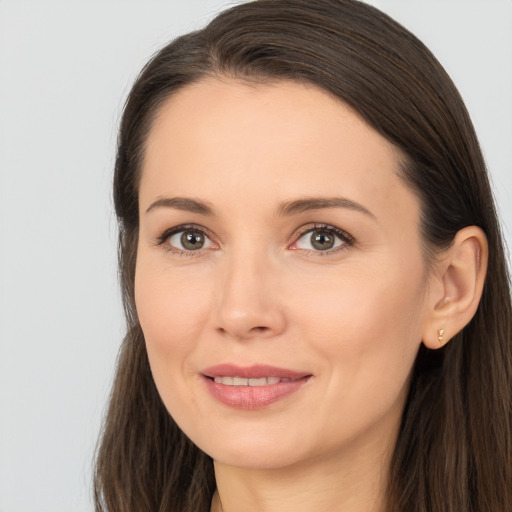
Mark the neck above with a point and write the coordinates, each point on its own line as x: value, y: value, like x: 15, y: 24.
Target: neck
x: 342, y: 482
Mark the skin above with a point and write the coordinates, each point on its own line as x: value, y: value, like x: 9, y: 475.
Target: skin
x: 258, y: 292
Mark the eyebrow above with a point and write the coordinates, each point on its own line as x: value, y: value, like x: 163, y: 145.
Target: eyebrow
x: 318, y: 203
x: 182, y: 203
x: 288, y: 208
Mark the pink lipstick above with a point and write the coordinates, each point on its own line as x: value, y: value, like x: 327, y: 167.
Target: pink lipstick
x: 252, y: 387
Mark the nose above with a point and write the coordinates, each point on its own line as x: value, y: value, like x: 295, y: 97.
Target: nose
x: 249, y: 298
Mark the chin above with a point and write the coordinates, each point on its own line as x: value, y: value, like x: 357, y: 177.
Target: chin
x: 256, y: 450
x: 270, y: 458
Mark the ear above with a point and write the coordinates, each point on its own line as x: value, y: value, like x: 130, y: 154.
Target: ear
x: 459, y: 275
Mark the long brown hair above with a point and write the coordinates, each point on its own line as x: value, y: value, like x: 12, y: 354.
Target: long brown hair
x: 454, y: 448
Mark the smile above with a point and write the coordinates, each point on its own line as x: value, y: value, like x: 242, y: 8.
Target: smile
x: 242, y: 381
x: 253, y: 387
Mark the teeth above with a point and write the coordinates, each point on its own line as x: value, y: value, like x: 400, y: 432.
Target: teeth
x: 228, y: 381
x: 241, y: 381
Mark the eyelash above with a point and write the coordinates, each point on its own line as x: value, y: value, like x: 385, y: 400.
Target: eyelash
x: 346, y: 239
x: 164, y: 237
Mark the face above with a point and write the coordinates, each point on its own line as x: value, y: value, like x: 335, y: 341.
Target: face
x: 280, y: 282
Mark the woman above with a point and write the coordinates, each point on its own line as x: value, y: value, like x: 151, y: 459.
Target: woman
x: 314, y: 280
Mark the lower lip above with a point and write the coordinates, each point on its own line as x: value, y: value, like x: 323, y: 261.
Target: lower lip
x: 253, y: 397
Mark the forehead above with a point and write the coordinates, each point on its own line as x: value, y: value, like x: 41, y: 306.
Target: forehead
x: 219, y: 139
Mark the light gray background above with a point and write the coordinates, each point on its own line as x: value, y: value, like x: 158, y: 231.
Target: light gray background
x: 65, y: 68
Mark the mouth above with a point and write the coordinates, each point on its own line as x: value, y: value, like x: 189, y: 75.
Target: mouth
x: 242, y: 381
x: 252, y: 387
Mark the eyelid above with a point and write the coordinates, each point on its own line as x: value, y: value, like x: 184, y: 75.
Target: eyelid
x: 161, y: 239
x: 347, y: 239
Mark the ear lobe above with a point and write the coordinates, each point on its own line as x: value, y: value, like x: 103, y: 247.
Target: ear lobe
x: 461, y: 270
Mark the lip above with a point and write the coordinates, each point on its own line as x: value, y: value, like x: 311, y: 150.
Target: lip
x: 252, y: 372
x: 249, y: 397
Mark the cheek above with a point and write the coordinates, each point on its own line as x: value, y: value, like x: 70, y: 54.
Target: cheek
x: 368, y: 329
x: 172, y: 312
x: 365, y: 308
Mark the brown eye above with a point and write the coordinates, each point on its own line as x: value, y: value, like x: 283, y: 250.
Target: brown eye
x: 189, y: 240
x: 322, y: 240
x: 192, y: 240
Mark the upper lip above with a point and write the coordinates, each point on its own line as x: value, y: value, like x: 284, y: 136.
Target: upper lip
x: 257, y: 371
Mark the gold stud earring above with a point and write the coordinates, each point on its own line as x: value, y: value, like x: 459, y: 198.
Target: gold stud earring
x: 440, y: 335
